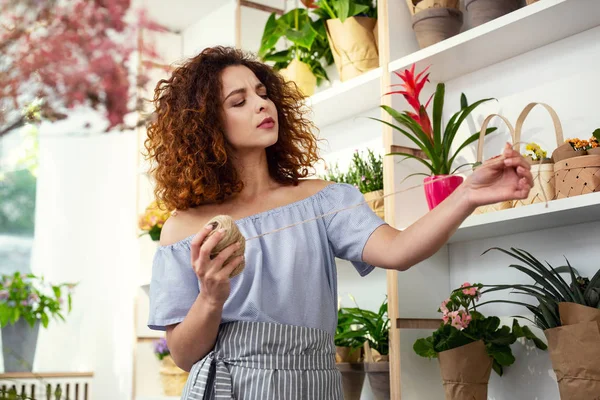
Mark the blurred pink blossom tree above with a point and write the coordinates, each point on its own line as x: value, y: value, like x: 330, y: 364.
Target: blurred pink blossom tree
x: 58, y: 54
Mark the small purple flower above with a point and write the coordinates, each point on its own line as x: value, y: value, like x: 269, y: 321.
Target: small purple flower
x: 33, y: 298
x: 160, y: 347
x: 362, y: 178
x: 4, y: 295
x: 24, y: 303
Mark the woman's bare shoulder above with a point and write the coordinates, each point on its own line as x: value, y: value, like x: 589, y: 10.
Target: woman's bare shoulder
x: 183, y: 224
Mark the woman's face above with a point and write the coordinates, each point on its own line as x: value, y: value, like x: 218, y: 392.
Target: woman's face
x: 250, y: 117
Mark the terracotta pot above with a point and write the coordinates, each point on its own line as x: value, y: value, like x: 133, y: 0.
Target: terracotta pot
x: 353, y: 378
x: 424, y: 4
x: 441, y: 186
x: 379, y: 379
x: 482, y: 11
x: 594, y: 151
x: 433, y: 25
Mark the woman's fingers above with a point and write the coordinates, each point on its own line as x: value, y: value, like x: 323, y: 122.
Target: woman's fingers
x: 231, y: 266
x: 226, y: 253
x: 197, y: 241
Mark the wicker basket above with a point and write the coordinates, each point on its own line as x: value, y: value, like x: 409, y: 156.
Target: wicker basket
x: 543, y: 173
x: 577, y: 175
x: 172, y: 377
x: 504, y: 204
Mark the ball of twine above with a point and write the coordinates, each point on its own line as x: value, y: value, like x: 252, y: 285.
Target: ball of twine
x: 232, y: 235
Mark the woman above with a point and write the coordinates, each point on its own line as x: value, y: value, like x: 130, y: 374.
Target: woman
x: 230, y: 138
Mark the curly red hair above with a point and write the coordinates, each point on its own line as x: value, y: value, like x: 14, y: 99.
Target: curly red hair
x: 191, y: 164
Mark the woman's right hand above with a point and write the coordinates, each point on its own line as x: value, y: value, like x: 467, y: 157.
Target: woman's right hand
x: 213, y: 273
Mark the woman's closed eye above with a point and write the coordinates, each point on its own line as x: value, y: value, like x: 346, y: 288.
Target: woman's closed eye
x: 239, y: 104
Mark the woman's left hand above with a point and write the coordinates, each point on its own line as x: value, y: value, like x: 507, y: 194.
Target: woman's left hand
x: 507, y: 177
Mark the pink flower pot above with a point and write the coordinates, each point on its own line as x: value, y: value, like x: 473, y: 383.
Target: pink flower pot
x: 441, y: 187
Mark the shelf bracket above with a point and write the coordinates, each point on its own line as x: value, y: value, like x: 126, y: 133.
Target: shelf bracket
x: 261, y: 7
x: 402, y: 149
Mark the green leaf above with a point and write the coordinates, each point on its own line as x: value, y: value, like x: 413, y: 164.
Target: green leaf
x: 45, y: 320
x: 462, y: 115
x: 416, y: 141
x: 463, y: 101
x: 424, y: 348
x: 470, y: 140
x: 501, y: 353
x: 304, y: 37
x: 411, y: 156
x: 280, y: 56
x: 438, y: 107
x: 270, y: 36
x: 497, y: 368
x: 343, y: 9
x: 596, y: 134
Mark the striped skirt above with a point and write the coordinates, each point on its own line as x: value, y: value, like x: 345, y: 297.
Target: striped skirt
x: 267, y: 361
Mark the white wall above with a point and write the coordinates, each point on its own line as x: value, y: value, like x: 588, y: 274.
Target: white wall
x: 563, y: 75
x: 216, y: 28
x: 86, y: 232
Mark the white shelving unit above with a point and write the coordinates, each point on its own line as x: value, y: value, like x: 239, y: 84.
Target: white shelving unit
x: 535, y: 217
x: 346, y: 99
x: 521, y: 31
x: 518, y: 32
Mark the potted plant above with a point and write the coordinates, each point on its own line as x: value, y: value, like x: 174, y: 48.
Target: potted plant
x: 376, y: 345
x: 304, y: 61
x: 366, y: 174
x: 542, y: 170
x: 435, y: 20
x: 482, y: 11
x: 349, y: 338
x: 569, y: 315
x: 594, y: 142
x: 173, y: 378
x: 26, y: 301
x: 469, y: 345
x: 429, y: 135
x: 352, y: 34
x: 152, y: 221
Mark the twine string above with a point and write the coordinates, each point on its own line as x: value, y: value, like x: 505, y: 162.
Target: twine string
x: 435, y: 179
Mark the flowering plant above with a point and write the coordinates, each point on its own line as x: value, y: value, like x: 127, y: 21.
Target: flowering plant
x: 152, y: 221
x: 366, y: 174
x: 161, y: 350
x: 31, y: 298
x: 534, y: 151
x: 462, y: 324
x: 427, y: 133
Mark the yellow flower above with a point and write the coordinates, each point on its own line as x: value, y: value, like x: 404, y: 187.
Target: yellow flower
x: 153, y: 216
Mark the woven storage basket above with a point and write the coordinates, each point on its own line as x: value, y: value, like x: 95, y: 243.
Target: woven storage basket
x: 172, y: 377
x: 577, y: 175
x: 543, y: 173
x: 504, y: 204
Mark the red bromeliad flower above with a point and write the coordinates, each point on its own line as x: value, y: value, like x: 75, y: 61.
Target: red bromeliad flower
x: 309, y: 3
x: 412, y: 87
